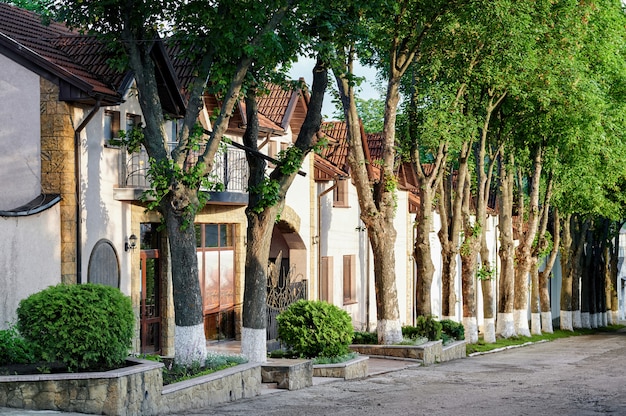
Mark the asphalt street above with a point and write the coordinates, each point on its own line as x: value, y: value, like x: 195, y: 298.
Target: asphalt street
x: 583, y: 375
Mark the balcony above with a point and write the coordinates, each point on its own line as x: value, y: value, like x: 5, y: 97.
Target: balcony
x: 229, y: 175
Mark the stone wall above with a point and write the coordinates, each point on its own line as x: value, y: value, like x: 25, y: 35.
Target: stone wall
x: 240, y: 382
x: 133, y: 390
x: 58, y: 170
x: 350, y: 370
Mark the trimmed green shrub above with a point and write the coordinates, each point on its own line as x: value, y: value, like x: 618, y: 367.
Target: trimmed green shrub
x: 14, y: 349
x: 315, y: 329
x: 85, y: 326
x: 425, y: 326
x: 453, y: 330
x: 367, y: 338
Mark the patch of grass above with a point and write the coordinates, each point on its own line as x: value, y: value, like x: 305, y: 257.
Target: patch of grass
x: 413, y: 341
x: 482, y: 346
x: 335, y: 360
x: 213, y: 363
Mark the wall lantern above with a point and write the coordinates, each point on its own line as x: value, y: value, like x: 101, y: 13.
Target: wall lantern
x: 131, y: 243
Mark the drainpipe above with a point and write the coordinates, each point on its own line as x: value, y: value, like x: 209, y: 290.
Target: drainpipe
x: 77, y: 168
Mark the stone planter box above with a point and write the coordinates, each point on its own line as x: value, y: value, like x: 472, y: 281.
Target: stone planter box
x: 290, y: 374
x: 454, y: 351
x: 428, y: 353
x: 353, y: 369
x: 132, y: 390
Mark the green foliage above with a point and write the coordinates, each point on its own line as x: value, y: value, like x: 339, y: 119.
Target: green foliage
x: 290, y: 160
x: 86, y: 326
x: 315, y: 329
x: 336, y: 360
x: 482, y: 346
x: 368, y: 338
x: 268, y: 193
x: 13, y: 348
x: 484, y: 273
x: 425, y: 326
x: 214, y: 362
x: 452, y: 329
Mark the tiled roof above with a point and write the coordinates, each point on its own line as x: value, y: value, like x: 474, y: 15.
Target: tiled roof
x: 336, y: 152
x: 71, y: 56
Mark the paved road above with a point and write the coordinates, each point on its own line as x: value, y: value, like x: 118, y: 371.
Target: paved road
x: 583, y: 375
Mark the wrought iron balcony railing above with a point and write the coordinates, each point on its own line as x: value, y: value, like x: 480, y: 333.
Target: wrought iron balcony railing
x: 230, y: 170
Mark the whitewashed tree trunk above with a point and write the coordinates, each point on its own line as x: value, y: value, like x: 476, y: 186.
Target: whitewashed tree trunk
x: 546, y: 322
x: 470, y: 325
x: 585, y: 320
x: 505, y: 327
x: 253, y: 344
x: 391, y: 330
x: 577, y: 319
x: 566, y: 321
x: 535, y: 323
x: 189, y: 345
x: 520, y: 317
x: 489, y: 330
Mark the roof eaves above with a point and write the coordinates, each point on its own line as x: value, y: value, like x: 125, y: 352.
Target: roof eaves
x: 42, y: 63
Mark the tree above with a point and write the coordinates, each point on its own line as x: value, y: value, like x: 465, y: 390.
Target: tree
x: 266, y: 200
x: 214, y: 42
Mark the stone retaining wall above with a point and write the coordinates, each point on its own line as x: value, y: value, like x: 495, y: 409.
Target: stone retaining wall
x: 353, y: 369
x: 133, y: 390
x: 428, y: 353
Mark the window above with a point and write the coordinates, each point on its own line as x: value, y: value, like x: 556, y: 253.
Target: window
x: 132, y: 121
x: 326, y: 279
x: 340, y: 194
x: 111, y: 126
x: 216, y: 264
x: 349, y: 279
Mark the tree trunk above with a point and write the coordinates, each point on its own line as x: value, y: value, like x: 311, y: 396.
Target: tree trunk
x: 523, y: 251
x: 613, y: 283
x: 469, y: 259
x: 483, y: 182
x: 376, y: 198
x: 580, y: 232
x: 544, y: 277
x: 535, y: 308
x: 262, y: 214
x: 422, y: 254
x: 567, y: 275
x: 505, y: 324
x: 451, y: 202
x: 189, y: 338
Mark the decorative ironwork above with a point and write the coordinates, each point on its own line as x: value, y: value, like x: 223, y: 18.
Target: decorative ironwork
x: 230, y: 169
x: 284, y: 287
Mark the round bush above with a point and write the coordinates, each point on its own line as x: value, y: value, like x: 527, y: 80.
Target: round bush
x: 315, y: 329
x: 86, y: 326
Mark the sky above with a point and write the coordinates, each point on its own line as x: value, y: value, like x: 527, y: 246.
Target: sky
x: 304, y: 67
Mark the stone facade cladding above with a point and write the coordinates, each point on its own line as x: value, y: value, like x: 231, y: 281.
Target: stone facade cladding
x: 58, y: 169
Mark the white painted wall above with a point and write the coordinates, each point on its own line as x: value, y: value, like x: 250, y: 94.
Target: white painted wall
x: 30, y: 246
x: 20, y: 139
x: 29, y: 258
x: 102, y: 216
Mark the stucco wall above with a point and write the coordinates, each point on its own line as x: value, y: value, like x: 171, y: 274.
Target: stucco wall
x: 20, y: 162
x: 104, y: 217
x: 29, y: 259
